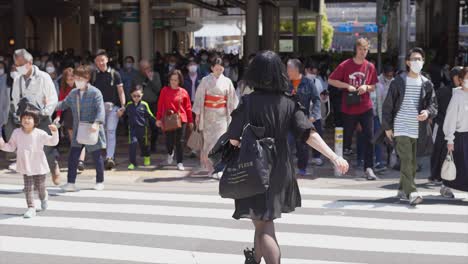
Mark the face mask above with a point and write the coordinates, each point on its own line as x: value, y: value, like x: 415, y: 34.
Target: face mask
x: 22, y: 70
x: 204, y: 57
x: 311, y: 76
x: 465, y: 83
x: 128, y: 65
x: 171, y: 64
x: 226, y: 64
x: 193, y: 68
x: 416, y: 66
x: 14, y: 74
x: 50, y: 69
x: 2, y: 71
x: 80, y: 84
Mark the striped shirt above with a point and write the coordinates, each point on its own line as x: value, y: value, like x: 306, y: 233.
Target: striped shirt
x: 406, y: 122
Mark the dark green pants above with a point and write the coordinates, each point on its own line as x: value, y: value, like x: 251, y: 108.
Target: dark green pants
x: 406, y: 149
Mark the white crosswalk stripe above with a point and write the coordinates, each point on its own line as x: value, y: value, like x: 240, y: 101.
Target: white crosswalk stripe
x: 356, y: 230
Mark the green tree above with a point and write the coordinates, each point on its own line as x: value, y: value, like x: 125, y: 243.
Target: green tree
x: 327, y: 32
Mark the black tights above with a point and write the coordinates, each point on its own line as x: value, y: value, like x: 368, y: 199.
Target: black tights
x: 265, y: 242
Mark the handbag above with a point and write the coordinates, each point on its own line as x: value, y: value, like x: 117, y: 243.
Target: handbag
x: 353, y: 98
x: 172, y: 120
x: 195, y: 141
x: 449, y: 170
x: 84, y: 134
x: 248, y: 168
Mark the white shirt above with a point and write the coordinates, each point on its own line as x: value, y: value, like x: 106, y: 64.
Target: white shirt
x: 456, y: 118
x: 406, y: 120
x: 41, y: 86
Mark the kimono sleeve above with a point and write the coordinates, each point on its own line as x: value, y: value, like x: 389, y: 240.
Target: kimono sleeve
x: 238, y: 121
x: 300, y: 124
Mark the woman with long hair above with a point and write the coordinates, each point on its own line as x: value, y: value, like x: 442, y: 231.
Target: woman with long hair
x: 272, y: 107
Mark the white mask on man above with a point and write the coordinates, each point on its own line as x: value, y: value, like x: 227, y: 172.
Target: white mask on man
x: 416, y: 66
x: 80, y: 84
x: 22, y: 70
x: 311, y: 76
x: 193, y: 68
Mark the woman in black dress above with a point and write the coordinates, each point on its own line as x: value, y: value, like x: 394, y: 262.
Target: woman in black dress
x: 271, y: 107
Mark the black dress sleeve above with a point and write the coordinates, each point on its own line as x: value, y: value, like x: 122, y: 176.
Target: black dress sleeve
x: 238, y: 121
x: 300, y: 124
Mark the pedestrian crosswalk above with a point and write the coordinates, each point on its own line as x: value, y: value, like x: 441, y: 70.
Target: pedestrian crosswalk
x: 333, y: 226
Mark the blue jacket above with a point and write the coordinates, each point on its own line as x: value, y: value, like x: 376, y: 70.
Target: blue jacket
x: 307, y: 94
x: 188, y: 84
x: 139, y: 114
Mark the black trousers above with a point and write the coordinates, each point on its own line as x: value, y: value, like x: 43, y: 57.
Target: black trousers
x: 175, y: 139
x: 138, y: 136
x: 366, y: 120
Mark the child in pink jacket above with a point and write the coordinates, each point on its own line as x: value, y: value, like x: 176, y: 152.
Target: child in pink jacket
x: 28, y: 142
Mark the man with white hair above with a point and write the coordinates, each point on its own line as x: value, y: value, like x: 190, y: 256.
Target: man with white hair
x: 39, y: 89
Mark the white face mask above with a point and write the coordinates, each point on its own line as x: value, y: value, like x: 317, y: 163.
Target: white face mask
x: 416, y: 66
x: 128, y: 65
x: 22, y: 70
x: 193, y: 68
x: 2, y: 71
x: 80, y: 84
x: 14, y: 74
x: 50, y: 69
x: 311, y: 76
x: 465, y: 83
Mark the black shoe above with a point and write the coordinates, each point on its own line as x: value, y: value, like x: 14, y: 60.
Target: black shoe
x: 81, y: 166
x: 250, y: 256
x: 348, y: 152
x: 110, y: 164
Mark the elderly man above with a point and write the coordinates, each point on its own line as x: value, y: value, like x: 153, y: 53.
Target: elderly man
x: 35, y: 87
x: 151, y: 83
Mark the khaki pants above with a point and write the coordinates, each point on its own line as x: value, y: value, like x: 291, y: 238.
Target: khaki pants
x: 406, y: 149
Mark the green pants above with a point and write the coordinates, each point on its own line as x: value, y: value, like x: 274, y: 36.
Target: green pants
x: 406, y: 149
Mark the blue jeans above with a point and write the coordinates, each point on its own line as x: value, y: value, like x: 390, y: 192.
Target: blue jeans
x: 112, y: 120
x: 73, y: 160
x: 361, y: 142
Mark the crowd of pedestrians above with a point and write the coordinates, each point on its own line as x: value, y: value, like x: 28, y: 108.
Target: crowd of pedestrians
x: 393, y: 114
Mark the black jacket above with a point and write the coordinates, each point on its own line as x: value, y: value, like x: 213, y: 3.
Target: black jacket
x: 394, y: 100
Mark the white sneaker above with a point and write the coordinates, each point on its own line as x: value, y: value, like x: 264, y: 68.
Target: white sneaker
x: 446, y: 192
x: 69, y: 187
x: 370, y: 175
x: 45, y: 203
x: 12, y: 167
x: 30, y: 213
x: 99, y: 186
x: 180, y: 166
x: 170, y: 158
x: 217, y: 176
x: 415, y: 198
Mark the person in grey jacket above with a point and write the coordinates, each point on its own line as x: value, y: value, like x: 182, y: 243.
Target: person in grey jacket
x: 410, y: 102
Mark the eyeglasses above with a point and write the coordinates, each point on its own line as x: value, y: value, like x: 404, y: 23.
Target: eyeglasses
x: 416, y: 59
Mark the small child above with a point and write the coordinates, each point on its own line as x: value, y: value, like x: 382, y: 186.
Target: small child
x: 139, y: 119
x: 31, y: 161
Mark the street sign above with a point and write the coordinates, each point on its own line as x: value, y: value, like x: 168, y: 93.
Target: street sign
x: 345, y: 28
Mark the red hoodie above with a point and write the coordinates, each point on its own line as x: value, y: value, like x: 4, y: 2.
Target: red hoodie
x: 177, y: 101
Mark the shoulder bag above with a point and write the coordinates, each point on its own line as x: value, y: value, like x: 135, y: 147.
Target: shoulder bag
x: 171, y: 119
x: 84, y: 135
x: 449, y: 171
x: 353, y: 98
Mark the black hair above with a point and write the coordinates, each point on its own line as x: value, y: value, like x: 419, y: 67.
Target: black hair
x: 136, y: 88
x: 415, y: 50
x: 217, y: 61
x: 388, y: 68
x: 455, y: 71
x: 32, y: 113
x: 102, y: 52
x: 131, y: 58
x: 267, y: 73
x: 311, y: 64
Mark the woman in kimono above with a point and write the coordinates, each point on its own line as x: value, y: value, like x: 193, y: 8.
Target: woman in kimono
x: 215, y: 100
